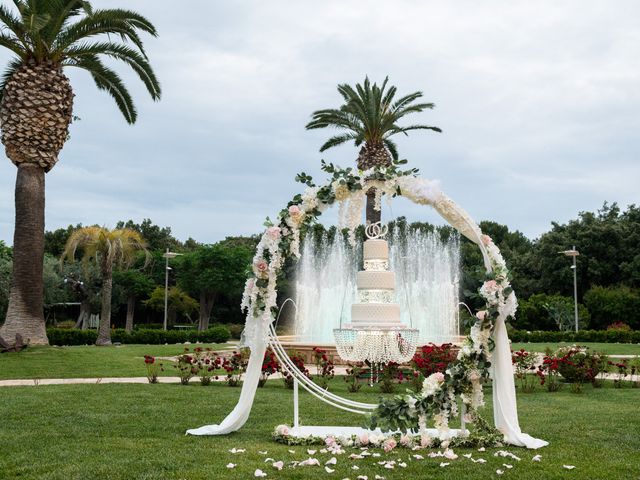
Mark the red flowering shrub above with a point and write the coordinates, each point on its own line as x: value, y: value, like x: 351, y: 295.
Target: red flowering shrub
x: 235, y: 366
x: 428, y: 359
x: 270, y: 365
x: 187, y: 367
x: 206, y: 363
x: 324, y: 367
x: 619, y: 327
x: 153, y: 368
x: 298, y: 361
x: 525, y: 363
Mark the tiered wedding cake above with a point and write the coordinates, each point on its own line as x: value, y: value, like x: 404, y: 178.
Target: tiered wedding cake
x: 376, y: 290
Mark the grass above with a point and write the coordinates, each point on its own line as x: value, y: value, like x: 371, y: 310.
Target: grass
x: 607, y: 348
x: 86, y: 361
x: 137, y: 432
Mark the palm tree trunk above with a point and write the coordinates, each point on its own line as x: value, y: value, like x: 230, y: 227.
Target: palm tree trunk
x: 104, y: 330
x: 373, y: 215
x: 25, y: 312
x: 131, y: 306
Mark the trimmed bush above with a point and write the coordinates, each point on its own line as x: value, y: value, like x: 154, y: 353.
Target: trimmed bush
x: 613, y: 304
x: 74, y: 336
x: 602, y: 336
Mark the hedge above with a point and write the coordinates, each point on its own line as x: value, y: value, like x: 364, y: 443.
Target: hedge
x: 602, y: 336
x: 74, y: 336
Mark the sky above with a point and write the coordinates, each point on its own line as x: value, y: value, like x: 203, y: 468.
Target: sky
x: 538, y: 103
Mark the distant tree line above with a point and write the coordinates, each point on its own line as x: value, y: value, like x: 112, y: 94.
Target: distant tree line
x: 206, y: 281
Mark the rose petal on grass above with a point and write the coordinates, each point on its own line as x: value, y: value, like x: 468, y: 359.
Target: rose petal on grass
x: 355, y: 467
x: 262, y: 453
x: 292, y: 451
x: 569, y: 467
x: 278, y: 465
x: 499, y: 472
x: 537, y: 458
x: 311, y: 452
x: 481, y: 449
x: 259, y: 473
x: 231, y: 465
x: 331, y: 461
x: 375, y: 454
x: 506, y: 465
x: 329, y: 470
x: 379, y: 477
x: 444, y: 464
x: 417, y: 456
x: 467, y: 455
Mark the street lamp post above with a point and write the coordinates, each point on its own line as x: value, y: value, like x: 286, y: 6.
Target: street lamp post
x: 167, y: 255
x: 574, y: 253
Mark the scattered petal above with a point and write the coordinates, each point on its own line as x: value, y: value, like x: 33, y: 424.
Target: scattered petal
x: 259, y: 473
x: 311, y: 452
x: 569, y: 467
x: 329, y: 470
x: 355, y: 456
x: 292, y: 451
x: 379, y: 477
x: 263, y: 453
x: 449, y: 454
x: 355, y: 467
x: 537, y: 458
x: 231, y: 465
x: 507, y: 465
x: 467, y: 455
x: 324, y: 450
x: 417, y: 456
x: 269, y: 460
x: 237, y: 450
x: 310, y: 462
x: 444, y: 464
x: 499, y: 472
x: 481, y: 449
x: 375, y: 454
x: 278, y: 465
x: 402, y: 464
x: 331, y: 461
x: 363, y: 477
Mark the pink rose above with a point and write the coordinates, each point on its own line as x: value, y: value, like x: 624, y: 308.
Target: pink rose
x: 486, y: 239
x: 425, y: 441
x: 273, y: 233
x: 439, y: 376
x: 330, y: 441
x: 294, y: 210
x: 405, y: 440
x: 389, y: 444
x: 491, y: 286
x: 473, y: 375
x: 364, y: 439
x: 481, y: 315
x: 260, y: 267
x: 251, y: 283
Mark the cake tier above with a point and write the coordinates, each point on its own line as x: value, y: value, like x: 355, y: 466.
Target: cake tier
x: 376, y: 250
x: 375, y: 313
x: 374, y: 280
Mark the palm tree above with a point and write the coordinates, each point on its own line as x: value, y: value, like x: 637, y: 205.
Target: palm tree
x: 109, y: 249
x: 370, y: 116
x: 36, y: 106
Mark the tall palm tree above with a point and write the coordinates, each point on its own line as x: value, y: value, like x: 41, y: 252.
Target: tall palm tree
x: 369, y: 117
x: 109, y: 249
x: 36, y: 105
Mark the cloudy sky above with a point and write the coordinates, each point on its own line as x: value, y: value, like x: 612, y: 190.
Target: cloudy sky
x: 538, y: 102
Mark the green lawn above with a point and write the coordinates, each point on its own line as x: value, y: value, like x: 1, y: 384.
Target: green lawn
x: 608, y: 348
x: 137, y: 432
x: 86, y: 361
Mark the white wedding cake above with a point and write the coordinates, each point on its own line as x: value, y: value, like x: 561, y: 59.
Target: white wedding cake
x: 376, y: 290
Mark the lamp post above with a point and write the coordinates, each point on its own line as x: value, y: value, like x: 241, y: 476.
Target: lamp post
x: 167, y: 255
x: 574, y: 253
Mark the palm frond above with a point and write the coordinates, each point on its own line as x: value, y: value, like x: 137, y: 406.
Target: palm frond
x: 109, y: 81
x: 337, y: 140
x: 392, y: 147
x: 120, y: 52
x: 14, y: 65
x: 13, y: 44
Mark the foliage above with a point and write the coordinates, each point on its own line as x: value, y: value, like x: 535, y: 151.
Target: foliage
x: 352, y: 378
x: 429, y: 359
x: 525, y: 368
x: 550, y: 312
x: 206, y: 364
x: 50, y: 30
x: 186, y: 366
x: 549, y: 373
x: 606, y: 336
x: 298, y: 361
x: 235, y: 366
x: 158, y: 238
x: 619, y: 327
x: 153, y: 368
x: 613, y: 304
x: 178, y: 302
x: 369, y: 114
x: 270, y: 365
x: 324, y: 367
x: 578, y: 365
x: 389, y: 375
x: 74, y: 336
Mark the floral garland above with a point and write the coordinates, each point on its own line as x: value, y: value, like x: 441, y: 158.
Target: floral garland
x: 483, y: 436
x: 465, y: 376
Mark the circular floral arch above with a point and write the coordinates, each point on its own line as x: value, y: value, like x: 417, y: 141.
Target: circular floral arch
x: 466, y: 375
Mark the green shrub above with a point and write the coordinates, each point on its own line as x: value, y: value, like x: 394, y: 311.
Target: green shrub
x: 613, y: 304
x: 550, y: 312
x: 74, y: 336
x: 603, y: 336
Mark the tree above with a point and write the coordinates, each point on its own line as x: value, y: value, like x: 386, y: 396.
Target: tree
x: 55, y: 240
x: 109, y: 249
x: 158, y: 238
x: 36, y: 109
x: 212, y: 270
x: 369, y: 116
x: 134, y: 284
x: 178, y: 303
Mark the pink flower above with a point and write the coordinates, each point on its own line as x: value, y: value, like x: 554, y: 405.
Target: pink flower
x: 486, y: 239
x: 364, y: 439
x: 389, y: 444
x: 405, y: 440
x: 330, y: 441
x: 294, y: 211
x: 260, y: 267
x: 481, y: 315
x: 491, y: 286
x: 273, y: 233
x: 425, y: 441
x: 282, y: 430
x: 474, y: 375
x: 439, y: 376
x: 251, y: 283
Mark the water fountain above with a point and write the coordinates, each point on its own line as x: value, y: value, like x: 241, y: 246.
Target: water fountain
x: 427, y: 272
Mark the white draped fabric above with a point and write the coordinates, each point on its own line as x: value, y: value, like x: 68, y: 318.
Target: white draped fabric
x: 505, y: 412
x: 239, y: 415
